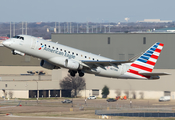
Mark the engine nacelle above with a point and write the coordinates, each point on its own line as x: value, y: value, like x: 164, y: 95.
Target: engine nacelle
x: 48, y: 65
x: 73, y: 65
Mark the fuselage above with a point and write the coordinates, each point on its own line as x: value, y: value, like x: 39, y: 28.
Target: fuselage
x: 56, y: 54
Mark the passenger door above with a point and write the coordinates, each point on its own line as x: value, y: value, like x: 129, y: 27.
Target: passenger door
x: 34, y: 42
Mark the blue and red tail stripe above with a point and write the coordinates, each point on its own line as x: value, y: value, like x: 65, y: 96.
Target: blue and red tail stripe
x: 147, y: 61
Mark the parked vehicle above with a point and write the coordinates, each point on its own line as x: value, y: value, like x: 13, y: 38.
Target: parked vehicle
x: 111, y: 100
x: 121, y: 97
x: 164, y: 98
x: 117, y: 97
x: 91, y: 97
x: 66, y: 101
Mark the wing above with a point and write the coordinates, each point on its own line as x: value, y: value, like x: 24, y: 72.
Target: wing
x: 154, y: 74
x: 91, y: 63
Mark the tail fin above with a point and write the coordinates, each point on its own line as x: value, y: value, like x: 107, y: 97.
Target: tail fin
x: 146, y: 62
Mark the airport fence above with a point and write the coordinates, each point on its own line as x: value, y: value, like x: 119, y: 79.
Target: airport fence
x: 138, y: 112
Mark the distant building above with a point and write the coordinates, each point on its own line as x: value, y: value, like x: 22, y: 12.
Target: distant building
x: 156, y: 21
x: 3, y: 38
x: 172, y: 29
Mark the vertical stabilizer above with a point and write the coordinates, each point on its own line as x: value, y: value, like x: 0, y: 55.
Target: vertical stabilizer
x: 146, y: 62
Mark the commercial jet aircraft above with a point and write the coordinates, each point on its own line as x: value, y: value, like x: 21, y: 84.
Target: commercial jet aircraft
x: 55, y: 56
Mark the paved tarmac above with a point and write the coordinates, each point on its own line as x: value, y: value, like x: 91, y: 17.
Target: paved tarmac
x: 12, y: 117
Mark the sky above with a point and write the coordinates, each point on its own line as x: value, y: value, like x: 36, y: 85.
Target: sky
x: 85, y: 10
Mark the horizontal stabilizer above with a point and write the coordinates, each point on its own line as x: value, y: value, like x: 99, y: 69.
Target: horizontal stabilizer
x: 154, y: 74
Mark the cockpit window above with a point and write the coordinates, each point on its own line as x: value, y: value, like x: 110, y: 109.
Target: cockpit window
x: 19, y: 37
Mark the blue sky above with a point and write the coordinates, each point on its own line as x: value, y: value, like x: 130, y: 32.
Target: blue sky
x: 85, y: 10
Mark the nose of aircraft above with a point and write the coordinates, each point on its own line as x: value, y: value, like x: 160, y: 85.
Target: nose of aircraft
x: 6, y: 42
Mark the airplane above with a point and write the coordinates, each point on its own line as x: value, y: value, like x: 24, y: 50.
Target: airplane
x: 56, y: 56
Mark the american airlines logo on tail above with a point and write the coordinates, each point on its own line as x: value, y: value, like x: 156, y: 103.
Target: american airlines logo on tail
x: 146, y: 62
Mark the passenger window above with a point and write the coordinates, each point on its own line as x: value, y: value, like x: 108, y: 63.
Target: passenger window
x: 41, y: 44
x: 85, y: 56
x: 93, y: 58
x: 53, y: 47
x: 97, y: 59
x: 60, y: 49
x: 68, y: 51
x: 77, y: 54
x: 89, y: 58
x: 45, y: 44
x: 64, y: 50
x: 57, y: 48
x: 49, y: 45
x: 72, y: 52
x: 81, y: 55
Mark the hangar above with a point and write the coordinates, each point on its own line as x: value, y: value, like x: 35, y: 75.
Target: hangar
x: 118, y: 46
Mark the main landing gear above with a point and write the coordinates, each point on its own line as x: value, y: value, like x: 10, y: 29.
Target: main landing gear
x: 73, y: 73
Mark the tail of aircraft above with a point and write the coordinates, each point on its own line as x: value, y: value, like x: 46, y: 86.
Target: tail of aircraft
x: 143, y: 66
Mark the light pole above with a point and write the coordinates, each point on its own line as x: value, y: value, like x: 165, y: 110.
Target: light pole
x: 129, y: 94
x: 37, y: 92
x: 72, y: 94
x: 85, y: 93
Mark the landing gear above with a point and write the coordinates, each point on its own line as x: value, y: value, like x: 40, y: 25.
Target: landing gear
x: 73, y: 73
x: 81, y: 74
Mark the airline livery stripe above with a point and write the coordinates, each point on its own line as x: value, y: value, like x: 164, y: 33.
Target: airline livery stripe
x: 158, y: 50
x: 137, y: 69
x: 136, y: 73
x: 144, y: 57
x: 153, y: 49
x: 149, y: 52
x: 155, y: 46
x: 153, y: 60
x: 160, y: 47
x: 154, y: 56
x: 156, y: 53
x: 161, y: 44
x: 141, y: 67
x: 141, y: 60
x: 148, y: 55
x: 150, y: 62
x: 144, y: 64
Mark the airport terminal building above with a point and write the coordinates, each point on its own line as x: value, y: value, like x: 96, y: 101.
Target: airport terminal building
x: 118, y: 46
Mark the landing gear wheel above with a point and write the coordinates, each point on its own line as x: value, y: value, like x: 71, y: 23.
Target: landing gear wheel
x: 81, y: 74
x: 72, y: 74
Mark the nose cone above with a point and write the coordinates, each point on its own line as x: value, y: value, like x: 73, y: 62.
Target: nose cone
x: 6, y: 43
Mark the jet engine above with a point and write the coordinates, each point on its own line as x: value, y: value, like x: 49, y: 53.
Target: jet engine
x: 73, y: 65
x: 48, y: 65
